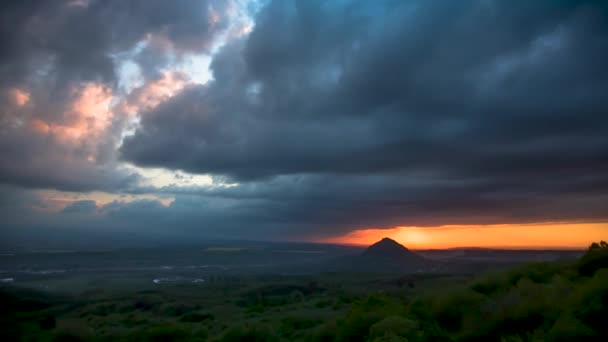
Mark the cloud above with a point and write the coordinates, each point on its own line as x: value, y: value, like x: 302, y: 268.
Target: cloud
x: 454, y: 112
x: 322, y: 116
x: 408, y: 94
x: 308, y: 207
x: 81, y: 207
x: 63, y: 113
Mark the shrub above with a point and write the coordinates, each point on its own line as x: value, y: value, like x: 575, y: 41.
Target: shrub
x: 487, y: 286
x: 179, y: 309
x: 595, y: 259
x: 540, y: 272
x: 590, y: 302
x: 323, y: 303
x: 569, y: 328
x: 47, y: 322
x: 325, y: 333
x: 163, y: 333
x: 450, y: 309
x: 248, y: 334
x: 68, y: 337
x: 390, y: 337
x: 356, y: 325
x: 196, y: 317
x: 292, y: 324
x: 394, y: 326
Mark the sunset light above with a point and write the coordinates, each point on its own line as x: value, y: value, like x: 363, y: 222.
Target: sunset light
x: 304, y: 170
x: 543, y: 235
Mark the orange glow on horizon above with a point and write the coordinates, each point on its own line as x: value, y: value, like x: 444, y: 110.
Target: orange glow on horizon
x: 537, y: 235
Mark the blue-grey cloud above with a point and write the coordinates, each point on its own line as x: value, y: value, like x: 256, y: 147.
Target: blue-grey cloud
x: 52, y: 49
x: 338, y: 115
x: 429, y: 113
x: 81, y: 207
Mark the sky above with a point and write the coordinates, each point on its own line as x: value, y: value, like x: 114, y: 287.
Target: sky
x: 438, y: 123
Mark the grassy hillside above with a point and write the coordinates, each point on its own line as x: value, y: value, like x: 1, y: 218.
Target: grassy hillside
x: 535, y: 302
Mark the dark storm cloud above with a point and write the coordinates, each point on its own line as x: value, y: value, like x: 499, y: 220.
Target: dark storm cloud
x: 335, y: 115
x: 81, y: 207
x: 459, y: 111
x: 79, y: 37
x: 306, y: 207
x: 432, y: 87
x: 52, y: 49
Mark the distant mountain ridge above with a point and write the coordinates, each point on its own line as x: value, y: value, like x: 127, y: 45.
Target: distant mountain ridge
x: 388, y: 248
x: 384, y: 256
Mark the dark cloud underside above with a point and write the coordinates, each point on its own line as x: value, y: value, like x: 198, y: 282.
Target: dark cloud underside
x: 493, y: 110
x: 335, y: 115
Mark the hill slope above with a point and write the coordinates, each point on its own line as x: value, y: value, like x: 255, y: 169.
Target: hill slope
x: 384, y: 256
x: 390, y: 249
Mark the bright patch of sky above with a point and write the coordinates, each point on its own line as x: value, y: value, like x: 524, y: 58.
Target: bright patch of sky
x: 196, y: 68
x: 160, y: 178
x: 55, y: 200
x: 129, y: 76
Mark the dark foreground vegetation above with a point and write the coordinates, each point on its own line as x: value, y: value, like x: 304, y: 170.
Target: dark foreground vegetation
x: 559, y: 301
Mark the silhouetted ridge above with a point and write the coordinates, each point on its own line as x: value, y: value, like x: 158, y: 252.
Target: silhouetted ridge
x: 385, y: 256
x: 388, y: 248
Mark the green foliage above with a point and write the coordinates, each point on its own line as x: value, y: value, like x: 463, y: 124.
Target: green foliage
x: 179, y: 309
x: 533, y: 302
x: 144, y: 304
x: 47, y: 322
x: 450, y: 309
x: 569, y: 328
x: 598, y: 246
x: 596, y: 258
x: 390, y: 337
x: 363, y: 315
x: 589, y: 302
x: 292, y: 324
x: 326, y: 333
x: 323, y: 303
x: 487, y: 285
x: 104, y: 309
x: 537, y: 272
x: 68, y: 337
x: 394, y: 326
x: 163, y: 333
x: 249, y: 334
x: 196, y: 317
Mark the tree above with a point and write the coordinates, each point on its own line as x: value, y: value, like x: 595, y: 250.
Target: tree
x: 598, y: 246
x: 595, y: 258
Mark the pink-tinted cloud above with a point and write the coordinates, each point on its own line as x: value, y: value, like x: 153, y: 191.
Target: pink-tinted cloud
x: 78, y: 3
x: 86, y: 119
x: 19, y: 97
x: 151, y: 94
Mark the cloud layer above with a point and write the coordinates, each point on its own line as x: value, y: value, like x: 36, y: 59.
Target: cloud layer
x: 324, y: 116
